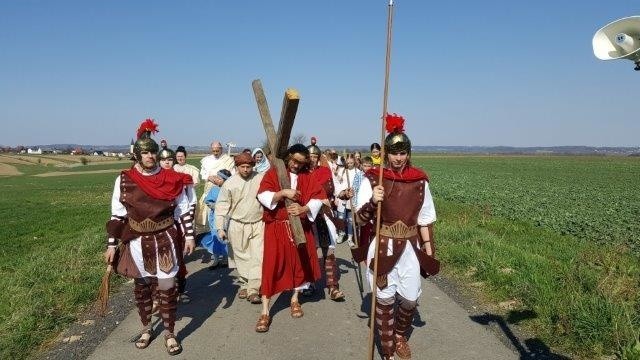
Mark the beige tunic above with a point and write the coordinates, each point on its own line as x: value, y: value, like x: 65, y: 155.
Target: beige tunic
x: 188, y: 169
x: 237, y: 198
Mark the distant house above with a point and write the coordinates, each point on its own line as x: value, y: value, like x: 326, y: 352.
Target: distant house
x: 98, y: 153
x: 34, y: 152
x: 77, y: 151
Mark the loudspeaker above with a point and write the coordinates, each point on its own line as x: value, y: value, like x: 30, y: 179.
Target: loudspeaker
x: 619, y: 40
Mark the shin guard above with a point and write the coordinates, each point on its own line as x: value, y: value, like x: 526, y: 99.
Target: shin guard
x: 385, y: 326
x: 143, y: 294
x: 404, y: 318
x: 168, y: 305
x: 331, y: 271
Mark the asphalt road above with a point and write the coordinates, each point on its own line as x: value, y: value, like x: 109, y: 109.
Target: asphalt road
x: 218, y: 325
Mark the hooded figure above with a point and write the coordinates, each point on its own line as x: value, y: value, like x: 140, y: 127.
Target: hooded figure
x: 262, y: 163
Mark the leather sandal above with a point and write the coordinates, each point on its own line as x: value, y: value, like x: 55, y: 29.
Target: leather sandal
x: 142, y: 341
x: 296, y: 310
x: 263, y: 323
x: 242, y: 294
x: 254, y: 299
x: 335, y: 293
x: 403, y: 351
x: 172, y: 349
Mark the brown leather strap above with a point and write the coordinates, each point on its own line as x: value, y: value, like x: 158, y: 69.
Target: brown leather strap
x: 385, y: 327
x: 187, y: 220
x: 167, y: 306
x: 149, y: 254
x: 331, y: 270
x: 366, y: 212
x: 165, y: 252
x: 404, y: 318
x: 144, y: 301
x: 149, y: 226
x: 398, y: 230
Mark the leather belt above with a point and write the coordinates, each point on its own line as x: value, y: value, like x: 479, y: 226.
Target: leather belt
x: 398, y: 230
x: 148, y: 226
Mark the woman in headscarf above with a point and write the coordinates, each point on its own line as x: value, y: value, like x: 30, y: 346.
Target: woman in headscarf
x: 262, y: 163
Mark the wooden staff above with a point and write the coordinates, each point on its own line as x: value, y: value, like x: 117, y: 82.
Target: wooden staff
x: 374, y: 287
x: 353, y: 213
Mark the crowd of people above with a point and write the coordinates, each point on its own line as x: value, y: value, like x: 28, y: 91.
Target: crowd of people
x: 243, y: 219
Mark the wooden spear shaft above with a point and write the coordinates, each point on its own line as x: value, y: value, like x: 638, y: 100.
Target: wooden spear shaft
x: 374, y: 287
x: 353, y: 213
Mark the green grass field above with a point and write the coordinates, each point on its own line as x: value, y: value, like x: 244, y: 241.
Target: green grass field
x: 554, y: 237
x: 52, y: 237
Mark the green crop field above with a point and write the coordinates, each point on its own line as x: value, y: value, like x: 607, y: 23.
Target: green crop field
x: 592, y: 198
x: 51, y: 262
x: 554, y: 238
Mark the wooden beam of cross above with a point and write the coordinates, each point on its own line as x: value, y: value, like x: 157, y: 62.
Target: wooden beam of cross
x: 278, y: 143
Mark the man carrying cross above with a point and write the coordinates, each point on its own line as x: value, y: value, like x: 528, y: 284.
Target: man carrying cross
x: 286, y: 265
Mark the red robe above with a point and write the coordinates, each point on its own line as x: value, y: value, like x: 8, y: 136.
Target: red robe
x: 284, y: 265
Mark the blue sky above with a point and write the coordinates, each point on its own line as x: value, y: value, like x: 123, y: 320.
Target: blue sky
x: 508, y: 73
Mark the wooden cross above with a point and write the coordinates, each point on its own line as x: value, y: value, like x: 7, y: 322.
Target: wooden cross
x: 278, y: 143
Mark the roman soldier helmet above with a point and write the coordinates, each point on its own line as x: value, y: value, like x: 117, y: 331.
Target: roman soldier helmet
x: 314, y: 149
x: 167, y: 153
x: 145, y: 143
x: 397, y: 140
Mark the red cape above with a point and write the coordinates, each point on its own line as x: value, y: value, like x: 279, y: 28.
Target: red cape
x: 408, y: 174
x: 322, y: 174
x: 165, y: 185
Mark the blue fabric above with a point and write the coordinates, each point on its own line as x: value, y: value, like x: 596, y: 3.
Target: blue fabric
x: 346, y: 216
x: 210, y: 241
x: 264, y: 164
x: 357, y: 180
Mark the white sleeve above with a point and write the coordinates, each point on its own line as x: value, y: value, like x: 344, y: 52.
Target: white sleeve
x: 117, y: 208
x: 338, y: 186
x: 118, y: 211
x: 427, y: 213
x: 190, y: 192
x: 314, y: 207
x: 266, y: 198
x: 183, y: 205
x: 194, y: 174
x: 204, y: 172
x: 364, y: 193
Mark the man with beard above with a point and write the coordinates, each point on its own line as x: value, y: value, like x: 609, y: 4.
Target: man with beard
x: 210, y: 165
x: 148, y: 203
x: 285, y: 265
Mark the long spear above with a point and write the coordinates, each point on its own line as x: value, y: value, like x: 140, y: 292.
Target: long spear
x: 374, y: 287
x: 353, y: 213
